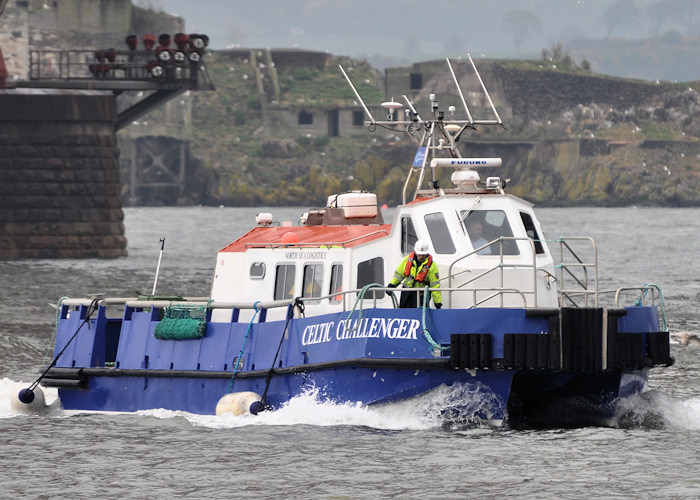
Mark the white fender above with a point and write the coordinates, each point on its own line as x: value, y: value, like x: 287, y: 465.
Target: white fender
x: 237, y: 403
x: 36, y: 406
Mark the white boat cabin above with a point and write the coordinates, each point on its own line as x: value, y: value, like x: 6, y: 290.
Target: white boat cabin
x: 488, y: 246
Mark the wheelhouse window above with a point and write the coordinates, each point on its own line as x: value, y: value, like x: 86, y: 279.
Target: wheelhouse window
x: 313, y: 280
x: 284, y: 281
x: 531, y: 231
x: 484, y: 226
x: 371, y: 271
x: 336, y: 283
x: 408, y: 235
x: 439, y: 233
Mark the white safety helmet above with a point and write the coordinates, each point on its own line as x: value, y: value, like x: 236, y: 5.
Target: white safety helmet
x: 421, y: 247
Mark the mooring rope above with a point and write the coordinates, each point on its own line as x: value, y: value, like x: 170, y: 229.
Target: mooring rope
x: 662, y: 302
x: 426, y: 334
x: 359, y: 300
x: 426, y: 299
x: 256, y: 306
x: 290, y: 313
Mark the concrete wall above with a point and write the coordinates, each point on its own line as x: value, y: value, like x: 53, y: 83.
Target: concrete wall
x: 60, y: 195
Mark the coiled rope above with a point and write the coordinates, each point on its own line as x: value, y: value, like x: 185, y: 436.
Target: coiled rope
x: 256, y: 306
x: 662, y: 302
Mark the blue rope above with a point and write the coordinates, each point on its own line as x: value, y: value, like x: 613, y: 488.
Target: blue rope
x: 662, y: 302
x: 256, y: 305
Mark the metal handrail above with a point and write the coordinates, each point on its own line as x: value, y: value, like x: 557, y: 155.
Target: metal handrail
x: 374, y: 291
x: 500, y: 266
x: 136, y: 303
x: 115, y: 301
x: 566, y: 267
x: 640, y: 289
x: 83, y: 64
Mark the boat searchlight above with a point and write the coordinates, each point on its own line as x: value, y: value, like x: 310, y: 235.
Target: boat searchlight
x: 494, y: 183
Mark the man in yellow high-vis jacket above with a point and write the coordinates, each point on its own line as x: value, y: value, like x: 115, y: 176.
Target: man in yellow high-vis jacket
x: 417, y: 270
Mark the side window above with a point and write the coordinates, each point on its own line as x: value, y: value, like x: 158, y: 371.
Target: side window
x: 531, y: 231
x: 336, y: 282
x: 371, y: 271
x: 408, y: 235
x: 488, y: 225
x: 284, y: 281
x: 257, y: 270
x: 313, y: 280
x: 439, y: 233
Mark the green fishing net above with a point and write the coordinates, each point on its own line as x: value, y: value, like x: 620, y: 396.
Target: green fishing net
x: 182, y: 321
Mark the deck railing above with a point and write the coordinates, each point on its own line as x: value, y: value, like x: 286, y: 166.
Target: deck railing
x: 346, y: 299
x: 497, y: 269
x: 108, y: 65
x: 578, y: 276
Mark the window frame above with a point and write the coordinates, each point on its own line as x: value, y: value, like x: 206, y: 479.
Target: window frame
x: 260, y: 265
x: 316, y: 279
x: 335, y: 285
x: 440, y: 234
x: 286, y: 292
x: 408, y: 240
x: 377, y: 276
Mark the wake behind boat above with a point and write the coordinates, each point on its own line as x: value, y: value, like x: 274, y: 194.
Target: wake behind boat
x: 312, y: 306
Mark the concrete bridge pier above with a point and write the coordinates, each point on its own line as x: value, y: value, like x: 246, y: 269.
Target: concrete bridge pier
x: 60, y: 192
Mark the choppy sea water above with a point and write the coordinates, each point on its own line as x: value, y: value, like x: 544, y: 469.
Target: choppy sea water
x: 310, y: 449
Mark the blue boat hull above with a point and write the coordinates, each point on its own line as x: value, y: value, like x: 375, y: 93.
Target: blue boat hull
x: 517, y: 362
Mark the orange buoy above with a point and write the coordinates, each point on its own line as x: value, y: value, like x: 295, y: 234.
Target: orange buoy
x: 290, y: 238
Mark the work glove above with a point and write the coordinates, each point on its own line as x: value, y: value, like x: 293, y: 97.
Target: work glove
x: 390, y: 293
x: 438, y: 305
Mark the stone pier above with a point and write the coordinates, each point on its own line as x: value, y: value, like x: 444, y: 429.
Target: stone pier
x: 60, y: 192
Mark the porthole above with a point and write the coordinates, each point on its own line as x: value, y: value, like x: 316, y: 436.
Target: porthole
x: 257, y: 270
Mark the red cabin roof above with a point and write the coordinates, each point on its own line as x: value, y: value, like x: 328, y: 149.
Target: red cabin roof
x: 308, y: 236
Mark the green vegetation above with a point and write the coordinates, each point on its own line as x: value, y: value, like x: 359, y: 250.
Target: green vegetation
x: 554, y: 58
x: 249, y: 156
x: 325, y: 87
